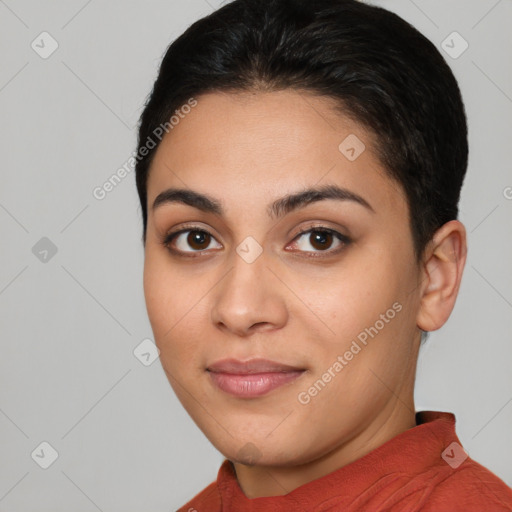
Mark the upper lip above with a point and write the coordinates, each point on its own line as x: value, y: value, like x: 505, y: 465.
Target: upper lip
x: 236, y: 367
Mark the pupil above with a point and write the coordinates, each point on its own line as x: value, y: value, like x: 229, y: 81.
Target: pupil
x: 321, y: 238
x: 197, y: 238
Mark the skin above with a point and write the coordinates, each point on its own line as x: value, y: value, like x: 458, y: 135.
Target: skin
x: 247, y: 150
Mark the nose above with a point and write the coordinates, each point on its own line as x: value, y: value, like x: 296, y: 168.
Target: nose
x: 249, y: 299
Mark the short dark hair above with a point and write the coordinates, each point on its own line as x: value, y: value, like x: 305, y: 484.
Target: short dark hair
x: 381, y: 71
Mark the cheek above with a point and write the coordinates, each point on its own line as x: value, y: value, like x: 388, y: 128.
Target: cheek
x: 174, y: 309
x: 165, y: 295
x: 156, y: 291
x: 358, y: 293
x: 367, y: 302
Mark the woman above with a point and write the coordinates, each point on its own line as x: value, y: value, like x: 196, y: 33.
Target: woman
x: 299, y: 170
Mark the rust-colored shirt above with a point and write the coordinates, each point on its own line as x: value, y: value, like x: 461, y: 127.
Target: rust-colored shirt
x: 422, y: 469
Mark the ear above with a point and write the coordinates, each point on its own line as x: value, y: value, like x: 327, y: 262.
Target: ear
x: 443, y: 265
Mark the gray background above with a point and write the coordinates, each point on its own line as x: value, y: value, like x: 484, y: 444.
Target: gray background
x: 70, y: 321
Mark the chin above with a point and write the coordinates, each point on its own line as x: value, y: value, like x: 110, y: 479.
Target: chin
x: 251, y: 450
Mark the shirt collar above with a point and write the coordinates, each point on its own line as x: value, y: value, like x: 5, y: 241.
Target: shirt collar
x: 408, y: 453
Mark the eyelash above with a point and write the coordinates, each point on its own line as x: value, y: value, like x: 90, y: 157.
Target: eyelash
x: 345, y: 240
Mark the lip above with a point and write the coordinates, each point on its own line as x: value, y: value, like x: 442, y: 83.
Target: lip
x: 251, y: 366
x: 252, y: 378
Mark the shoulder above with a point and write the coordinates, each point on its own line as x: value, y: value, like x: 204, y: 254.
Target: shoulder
x: 208, y: 500
x: 470, y: 487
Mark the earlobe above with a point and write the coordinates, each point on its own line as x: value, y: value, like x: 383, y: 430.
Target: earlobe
x: 442, y: 274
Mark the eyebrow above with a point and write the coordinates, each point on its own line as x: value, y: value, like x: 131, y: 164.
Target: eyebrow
x: 278, y: 208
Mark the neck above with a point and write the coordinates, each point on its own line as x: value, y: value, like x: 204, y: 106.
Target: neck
x: 264, y: 481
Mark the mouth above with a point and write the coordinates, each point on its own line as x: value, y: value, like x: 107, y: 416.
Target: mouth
x: 252, y: 378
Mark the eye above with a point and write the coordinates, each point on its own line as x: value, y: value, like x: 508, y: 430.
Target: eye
x: 194, y: 241
x: 190, y: 240
x: 320, y: 239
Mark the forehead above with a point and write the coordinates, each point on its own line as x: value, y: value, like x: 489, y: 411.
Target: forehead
x: 250, y: 147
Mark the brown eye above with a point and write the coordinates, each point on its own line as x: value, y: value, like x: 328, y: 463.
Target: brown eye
x: 321, y: 239
x: 190, y: 241
x: 318, y: 240
x: 198, y: 240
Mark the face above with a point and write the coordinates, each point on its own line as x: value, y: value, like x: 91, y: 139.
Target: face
x: 286, y: 327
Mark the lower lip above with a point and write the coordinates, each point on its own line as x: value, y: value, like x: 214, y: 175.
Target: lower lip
x: 252, y: 385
